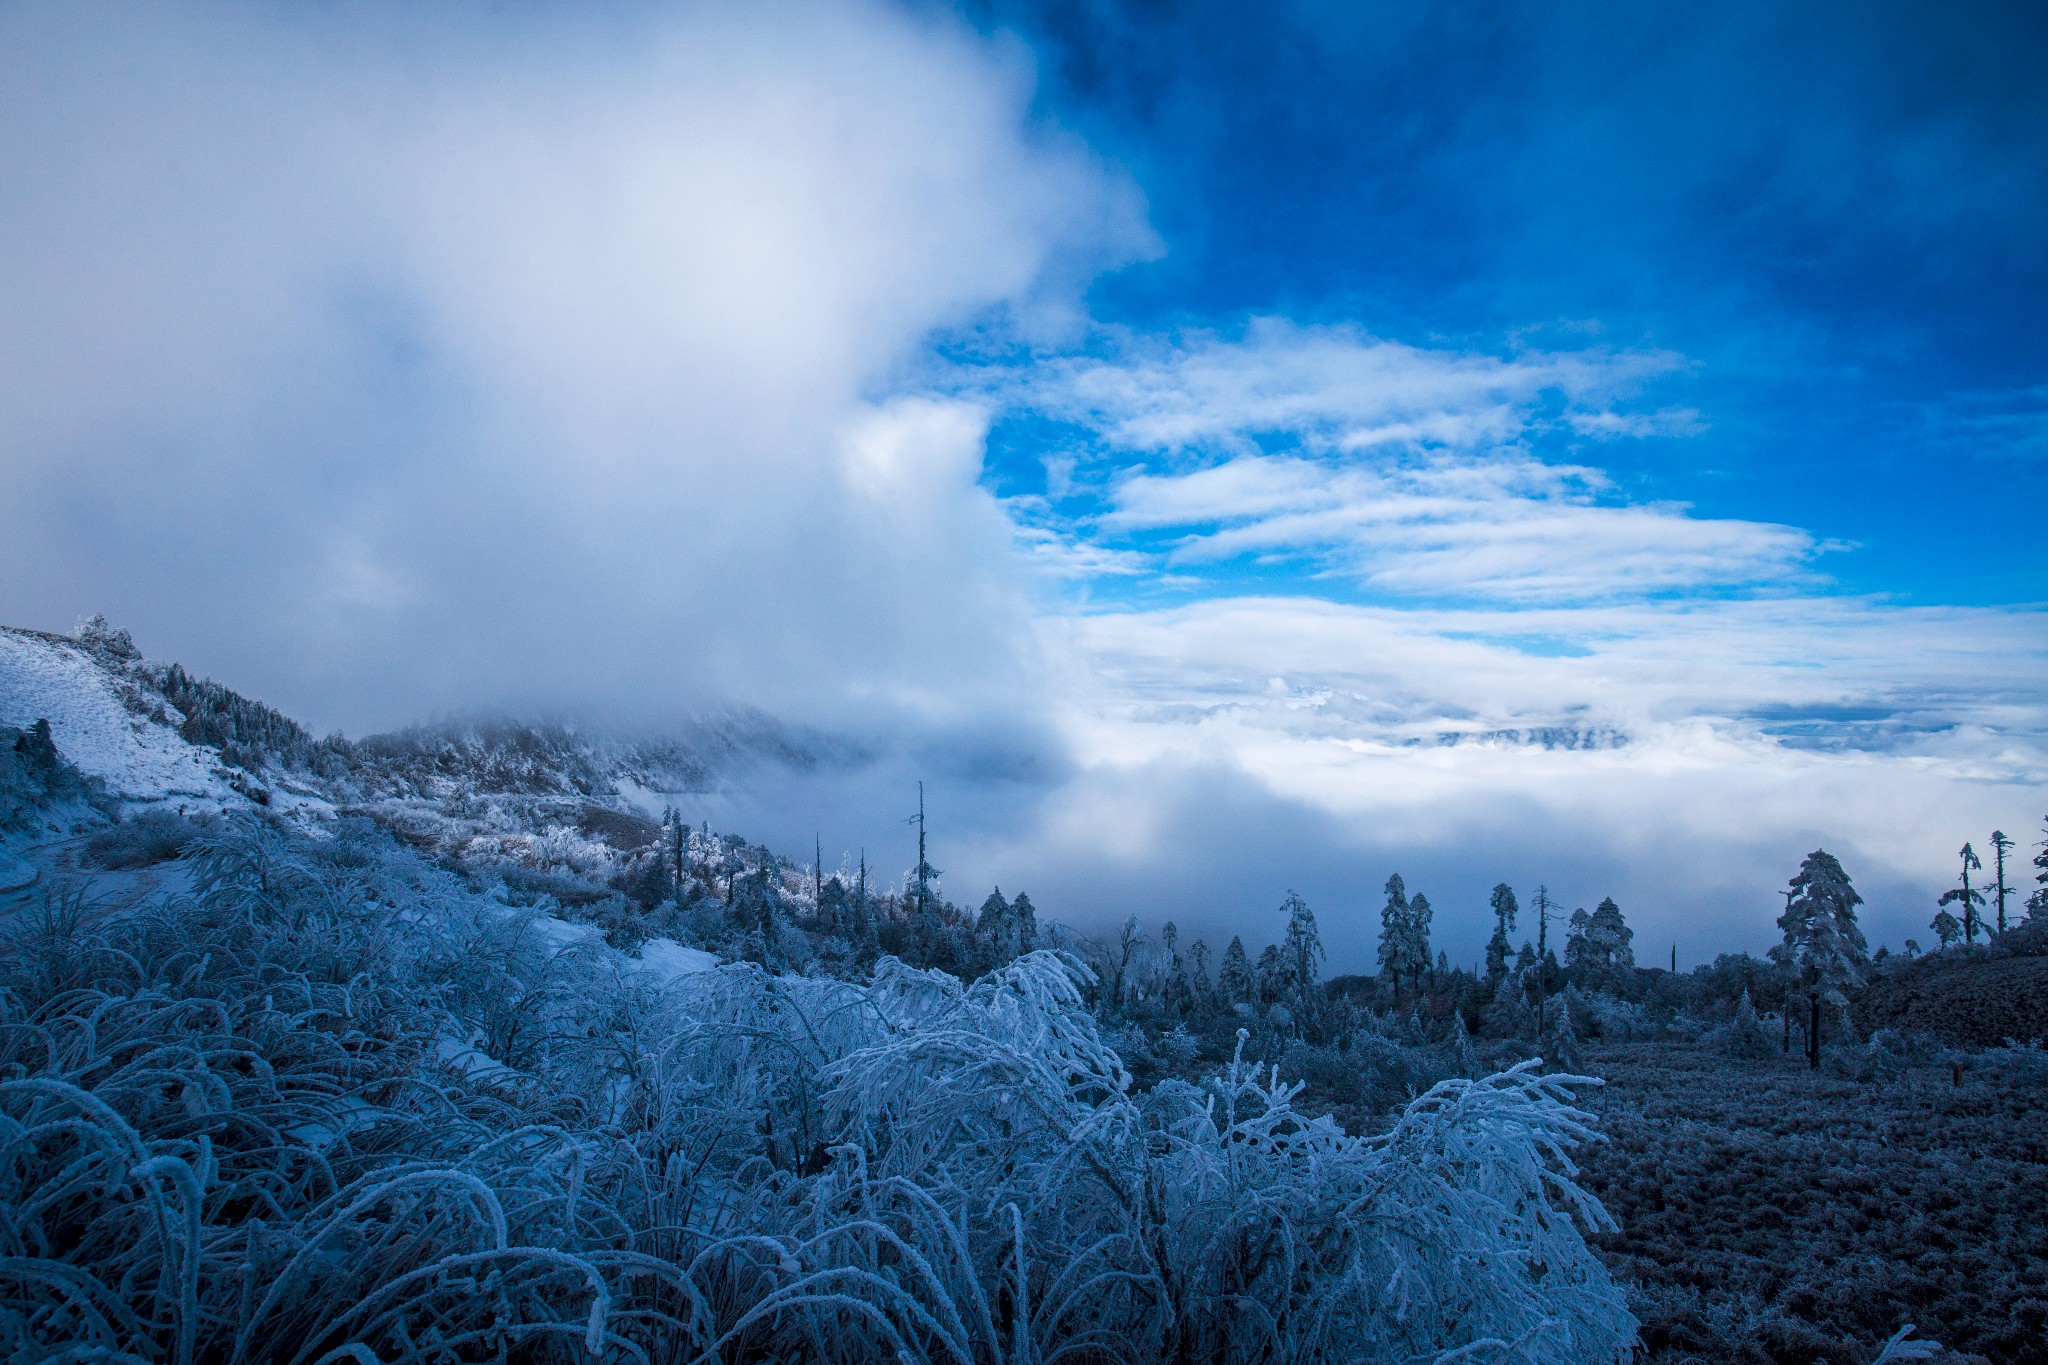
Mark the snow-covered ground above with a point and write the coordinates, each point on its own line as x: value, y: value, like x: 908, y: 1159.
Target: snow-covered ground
x: 669, y: 959
x: 141, y: 759
x: 14, y: 873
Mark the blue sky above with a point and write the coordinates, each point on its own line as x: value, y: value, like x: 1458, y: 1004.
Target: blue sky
x: 1219, y: 449
x: 1833, y: 217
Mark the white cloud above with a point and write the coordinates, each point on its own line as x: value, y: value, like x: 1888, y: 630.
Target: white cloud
x: 1407, y: 468
x: 384, y: 361
x: 1680, y: 757
x: 1506, y: 527
x: 1336, y: 387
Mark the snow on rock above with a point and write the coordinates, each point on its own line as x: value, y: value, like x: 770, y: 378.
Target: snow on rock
x: 140, y: 757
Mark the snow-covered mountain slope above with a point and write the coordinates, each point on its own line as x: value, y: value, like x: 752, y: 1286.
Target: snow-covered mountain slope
x: 155, y: 735
x: 111, y: 726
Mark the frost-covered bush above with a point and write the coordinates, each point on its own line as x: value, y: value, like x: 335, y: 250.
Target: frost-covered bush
x: 336, y: 1106
x: 143, y: 840
x: 2017, y: 1063
x: 1559, y: 1043
x: 1869, y: 1061
x: 1909, y: 1199
x: 1611, y: 1019
x: 1745, y: 1036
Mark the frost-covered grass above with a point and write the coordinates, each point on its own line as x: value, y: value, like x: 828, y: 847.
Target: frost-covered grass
x: 1770, y: 1213
x: 336, y: 1106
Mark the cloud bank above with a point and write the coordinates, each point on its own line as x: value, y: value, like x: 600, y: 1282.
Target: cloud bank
x: 409, y: 363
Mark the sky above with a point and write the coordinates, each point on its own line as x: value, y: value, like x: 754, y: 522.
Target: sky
x: 1220, y: 449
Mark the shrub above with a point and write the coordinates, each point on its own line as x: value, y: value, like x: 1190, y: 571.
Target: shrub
x: 1746, y: 1037
x: 335, y: 1105
x: 143, y: 840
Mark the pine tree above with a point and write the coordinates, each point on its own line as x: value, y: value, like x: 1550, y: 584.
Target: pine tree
x: 1301, y: 946
x: 1948, y: 930
x: 1598, y: 952
x: 1545, y: 963
x: 1198, y: 974
x: 1822, y: 940
x: 1559, y: 1039
x: 1968, y: 896
x: 1234, y: 977
x: 1464, y: 1056
x: 866, y: 928
x: 1415, y: 942
x: 678, y: 860
x: 993, y: 928
x: 1271, y: 976
x: 1498, y: 948
x: 1747, y: 1036
x: 2037, y: 903
x: 1575, y: 942
x: 1394, y: 933
x: 1024, y: 923
x: 2000, y: 846
x: 834, y: 917
x: 925, y: 874
x: 1301, y: 959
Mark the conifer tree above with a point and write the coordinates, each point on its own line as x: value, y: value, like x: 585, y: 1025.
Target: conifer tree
x: 1301, y: 948
x: 1464, y: 1056
x: 1179, y: 990
x: 1394, y: 932
x: 1968, y: 896
x: 1746, y: 1034
x: 992, y: 927
x: 1271, y: 976
x: 1575, y: 942
x: 1598, y: 952
x: 1559, y: 1039
x: 925, y: 873
x: 1198, y: 973
x: 1415, y: 942
x: 1544, y: 961
x: 1234, y: 977
x: 1822, y: 940
x: 834, y: 916
x: 866, y: 928
x: 2000, y: 846
x: 1948, y: 930
x: 1610, y: 938
x: 679, y: 863
x: 2037, y: 903
x: 1499, y: 948
x: 1024, y: 923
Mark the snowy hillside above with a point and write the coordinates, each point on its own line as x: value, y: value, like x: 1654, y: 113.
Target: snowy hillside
x: 153, y: 734
x: 110, y: 725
